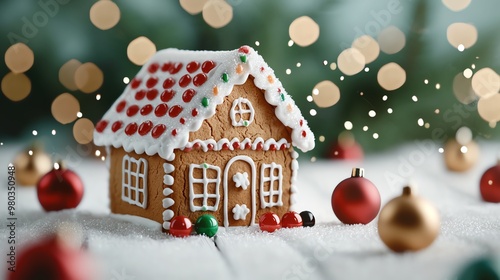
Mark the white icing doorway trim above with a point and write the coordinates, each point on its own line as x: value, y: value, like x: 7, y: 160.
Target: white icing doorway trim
x: 250, y: 161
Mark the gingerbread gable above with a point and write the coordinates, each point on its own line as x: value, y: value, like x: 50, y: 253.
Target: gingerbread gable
x: 177, y: 90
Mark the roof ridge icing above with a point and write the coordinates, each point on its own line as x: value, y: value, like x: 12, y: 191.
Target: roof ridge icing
x: 176, y: 90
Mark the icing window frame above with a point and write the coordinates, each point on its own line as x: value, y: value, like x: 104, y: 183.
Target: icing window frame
x: 135, y: 181
x: 204, y: 181
x: 237, y: 110
x: 270, y: 182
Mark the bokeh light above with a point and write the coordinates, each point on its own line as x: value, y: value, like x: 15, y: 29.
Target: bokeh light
x: 462, y: 89
x: 64, y: 108
x: 16, y: 87
x: 461, y: 34
x: 104, y: 14
x: 19, y: 58
x: 193, y: 6
x: 67, y: 74
x: 486, y: 82
x: 217, y: 13
x: 83, y: 131
x: 463, y: 135
x: 140, y: 50
x: 368, y: 47
x: 487, y: 108
x: 326, y: 94
x: 351, y: 61
x: 304, y: 31
x: 391, y: 76
x: 391, y: 40
x: 456, y: 5
x: 88, y: 77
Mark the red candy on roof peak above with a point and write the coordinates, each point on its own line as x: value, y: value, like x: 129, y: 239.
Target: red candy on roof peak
x: 135, y: 83
x: 153, y: 68
x: 244, y: 49
x: 207, y: 66
x: 121, y: 105
x: 192, y: 66
x: 101, y: 125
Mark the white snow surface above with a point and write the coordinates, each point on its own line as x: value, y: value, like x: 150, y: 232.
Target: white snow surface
x: 470, y: 227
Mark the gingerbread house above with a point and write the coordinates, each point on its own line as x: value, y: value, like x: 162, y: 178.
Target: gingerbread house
x: 199, y: 132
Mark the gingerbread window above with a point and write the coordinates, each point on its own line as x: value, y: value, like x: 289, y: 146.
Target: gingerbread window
x: 242, y: 112
x: 204, y: 182
x: 271, y: 185
x: 135, y: 181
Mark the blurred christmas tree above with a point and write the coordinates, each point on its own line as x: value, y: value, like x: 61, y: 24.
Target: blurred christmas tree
x: 419, y: 85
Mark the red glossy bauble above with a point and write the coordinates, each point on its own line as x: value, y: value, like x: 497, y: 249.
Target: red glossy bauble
x: 490, y: 184
x: 346, y: 148
x: 180, y: 226
x: 291, y: 219
x: 269, y: 222
x: 60, y: 189
x: 53, y: 259
x: 356, y: 200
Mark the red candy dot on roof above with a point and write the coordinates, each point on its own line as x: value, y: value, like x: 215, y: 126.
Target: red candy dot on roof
x: 101, y: 125
x: 161, y: 110
x: 174, y: 132
x: 304, y: 134
x: 194, y: 113
x: 244, y: 49
x: 152, y: 93
x: 145, y: 127
x: 153, y: 68
x: 301, y: 122
x: 192, y: 66
x: 168, y: 83
x: 262, y: 69
x: 116, y: 125
x: 151, y: 82
x: 185, y: 80
x: 131, y: 129
x: 132, y: 110
x: 207, y: 66
x: 175, y: 68
x: 175, y: 111
x: 166, y: 66
x: 140, y: 94
x: 236, y: 145
x: 167, y: 95
x: 279, y: 90
x: 135, y: 83
x: 146, y: 109
x: 199, y: 79
x: 188, y: 95
x: 182, y: 120
x: 158, y: 130
x: 121, y: 106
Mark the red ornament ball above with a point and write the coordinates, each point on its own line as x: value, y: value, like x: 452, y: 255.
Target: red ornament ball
x: 356, y: 200
x: 53, y: 258
x: 60, y: 189
x: 291, y: 219
x: 269, y: 222
x: 180, y: 226
x: 490, y: 184
x: 346, y: 148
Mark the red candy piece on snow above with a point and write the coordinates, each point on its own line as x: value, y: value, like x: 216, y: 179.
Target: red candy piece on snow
x: 269, y: 222
x: 244, y: 49
x: 132, y: 110
x: 180, y: 226
x: 167, y: 95
x: 175, y: 68
x: 145, y: 127
x: 146, y: 109
x: 490, y: 184
x: 151, y: 82
x: 207, y: 66
x: 175, y: 111
x: 116, y: 125
x: 185, y: 80
x: 121, y: 106
x: 153, y: 68
x: 194, y: 113
x: 135, y: 83
x: 152, y: 93
x: 192, y: 66
x: 140, y: 94
x: 291, y: 219
x: 131, y: 129
x: 161, y: 110
x: 158, y: 130
x: 168, y: 83
x: 199, y: 79
x: 166, y: 66
x: 101, y: 125
x: 188, y: 95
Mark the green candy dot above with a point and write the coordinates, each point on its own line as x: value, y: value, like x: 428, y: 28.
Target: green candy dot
x: 205, y: 101
x: 245, y: 123
x: 282, y: 97
x: 207, y: 225
x: 225, y: 77
x: 243, y: 58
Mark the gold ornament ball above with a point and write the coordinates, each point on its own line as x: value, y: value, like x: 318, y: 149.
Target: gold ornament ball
x: 408, y: 223
x: 459, y: 157
x: 31, y: 165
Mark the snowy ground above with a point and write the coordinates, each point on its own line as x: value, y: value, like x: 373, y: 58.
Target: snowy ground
x: 330, y: 250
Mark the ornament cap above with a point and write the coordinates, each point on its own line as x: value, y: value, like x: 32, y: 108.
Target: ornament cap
x: 407, y: 191
x: 357, y: 172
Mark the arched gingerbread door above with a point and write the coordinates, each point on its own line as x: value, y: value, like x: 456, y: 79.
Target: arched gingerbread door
x: 239, y: 192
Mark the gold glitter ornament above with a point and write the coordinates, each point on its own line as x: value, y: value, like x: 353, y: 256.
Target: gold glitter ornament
x: 31, y: 164
x: 408, y: 223
x: 458, y: 157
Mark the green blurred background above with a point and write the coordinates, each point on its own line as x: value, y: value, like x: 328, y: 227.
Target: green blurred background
x: 69, y: 34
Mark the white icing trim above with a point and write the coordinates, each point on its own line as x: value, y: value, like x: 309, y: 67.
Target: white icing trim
x: 168, y: 180
x: 250, y: 161
x: 240, y: 212
x: 293, y: 180
x: 235, y: 144
x: 241, y: 180
x: 271, y: 193
x: 137, y: 220
x: 129, y: 186
x: 236, y: 109
x: 205, y: 181
x: 107, y: 160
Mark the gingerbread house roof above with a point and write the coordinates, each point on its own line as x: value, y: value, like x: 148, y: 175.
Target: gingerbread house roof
x: 177, y: 90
